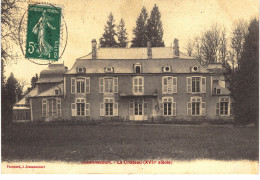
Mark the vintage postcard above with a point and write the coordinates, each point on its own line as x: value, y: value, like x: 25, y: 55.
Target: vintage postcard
x: 130, y: 87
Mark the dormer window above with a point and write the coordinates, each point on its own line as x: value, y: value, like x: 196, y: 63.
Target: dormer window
x: 81, y: 70
x: 218, y: 91
x: 137, y: 68
x: 194, y: 69
x: 56, y: 92
x: 166, y: 69
x: 109, y: 69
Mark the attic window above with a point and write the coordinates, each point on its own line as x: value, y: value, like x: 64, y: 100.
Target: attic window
x: 167, y: 69
x: 109, y: 69
x: 81, y: 70
x: 194, y: 69
x: 137, y: 68
x: 218, y: 91
x: 56, y: 92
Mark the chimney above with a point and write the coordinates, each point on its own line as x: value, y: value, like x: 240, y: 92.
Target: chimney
x: 94, y: 48
x: 176, y: 47
x: 149, y: 50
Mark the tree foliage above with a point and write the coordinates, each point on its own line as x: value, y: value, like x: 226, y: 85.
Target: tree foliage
x: 140, y: 31
x: 154, y: 28
x: 245, y: 80
x: 13, y: 92
x: 238, y: 35
x: 122, y: 34
x: 108, y: 37
x: 148, y: 29
x: 210, y: 46
x: 33, y: 82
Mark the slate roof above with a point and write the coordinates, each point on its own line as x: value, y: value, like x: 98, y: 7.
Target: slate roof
x: 54, y: 73
x: 50, y: 92
x: 123, y: 59
x: 224, y: 91
x: 33, y: 92
x: 135, y: 53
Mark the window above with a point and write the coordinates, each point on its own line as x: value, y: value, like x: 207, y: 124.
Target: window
x: 109, y: 69
x: 196, y: 107
x: 166, y: 69
x: 109, y: 107
x: 169, y: 85
x: 168, y: 107
x: 196, y: 84
x: 223, y: 107
x: 80, y: 85
x: 108, y: 85
x: 81, y: 70
x: 80, y: 108
x: 137, y: 68
x: 218, y: 91
x: 51, y: 107
x: 194, y: 69
x: 138, y: 85
x: 56, y: 92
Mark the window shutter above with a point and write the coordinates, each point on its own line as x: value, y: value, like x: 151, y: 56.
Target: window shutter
x: 164, y: 85
x: 73, y: 109
x: 188, y: 84
x: 161, y: 107
x: 73, y: 85
x: 189, y: 108
x: 217, y: 108
x: 44, y: 107
x: 115, y: 110
x: 174, y: 108
x: 87, y: 109
x: 145, y: 109
x: 131, y: 110
x: 59, y: 107
x: 203, y: 84
x: 116, y: 85
x: 101, y: 85
x: 203, y: 109
x: 174, y: 84
x: 87, y: 85
x: 102, y: 109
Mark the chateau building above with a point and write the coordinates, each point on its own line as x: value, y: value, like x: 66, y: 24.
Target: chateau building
x: 135, y: 84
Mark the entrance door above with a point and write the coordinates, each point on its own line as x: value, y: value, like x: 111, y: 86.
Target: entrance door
x: 138, y: 110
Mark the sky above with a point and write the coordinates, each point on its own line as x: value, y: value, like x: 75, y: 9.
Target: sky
x: 181, y: 19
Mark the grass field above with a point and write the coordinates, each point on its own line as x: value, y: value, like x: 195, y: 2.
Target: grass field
x: 115, y: 142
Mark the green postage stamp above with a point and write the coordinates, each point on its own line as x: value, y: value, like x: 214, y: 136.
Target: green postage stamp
x: 43, y: 32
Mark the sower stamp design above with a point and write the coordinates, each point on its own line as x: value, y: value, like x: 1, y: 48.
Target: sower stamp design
x: 43, y: 32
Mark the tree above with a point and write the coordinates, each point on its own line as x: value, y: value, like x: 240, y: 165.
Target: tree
x: 245, y: 80
x: 9, y: 37
x: 122, y: 34
x: 140, y: 31
x: 223, y: 48
x: 108, y: 37
x: 238, y: 35
x: 33, y: 82
x: 190, y: 47
x: 154, y: 28
x: 13, y: 93
x: 211, y: 46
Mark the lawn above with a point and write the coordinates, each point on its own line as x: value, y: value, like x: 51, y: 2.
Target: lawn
x: 127, y: 141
